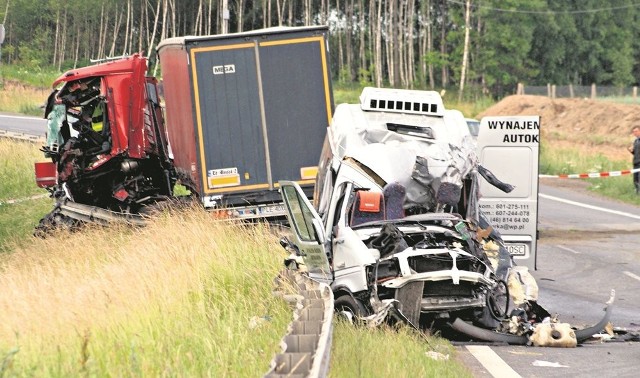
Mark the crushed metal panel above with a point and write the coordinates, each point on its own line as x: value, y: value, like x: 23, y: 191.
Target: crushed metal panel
x: 396, y: 157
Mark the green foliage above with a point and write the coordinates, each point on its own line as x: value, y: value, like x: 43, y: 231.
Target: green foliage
x: 39, y: 77
x: 346, y: 93
x: 437, y: 59
x: 364, y: 77
x: 531, y: 41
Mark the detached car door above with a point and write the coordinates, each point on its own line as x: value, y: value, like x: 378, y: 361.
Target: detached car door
x: 308, y: 232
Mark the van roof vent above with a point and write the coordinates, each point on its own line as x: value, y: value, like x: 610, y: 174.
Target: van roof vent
x: 402, y: 101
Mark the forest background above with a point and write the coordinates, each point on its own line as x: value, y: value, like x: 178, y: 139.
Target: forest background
x: 473, y: 47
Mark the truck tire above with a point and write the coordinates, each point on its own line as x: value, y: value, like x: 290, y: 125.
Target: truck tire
x: 350, y: 308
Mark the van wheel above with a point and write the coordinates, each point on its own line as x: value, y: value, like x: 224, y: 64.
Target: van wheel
x: 350, y: 308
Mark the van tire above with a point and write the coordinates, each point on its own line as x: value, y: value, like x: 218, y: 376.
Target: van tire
x: 346, y: 304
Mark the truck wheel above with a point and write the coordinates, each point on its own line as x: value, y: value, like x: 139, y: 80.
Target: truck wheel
x: 350, y: 308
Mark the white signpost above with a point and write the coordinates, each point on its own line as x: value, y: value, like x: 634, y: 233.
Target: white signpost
x: 509, y: 147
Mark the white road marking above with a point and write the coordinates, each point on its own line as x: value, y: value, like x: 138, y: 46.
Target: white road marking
x: 631, y: 275
x: 580, y: 204
x: 568, y: 249
x: 492, y: 362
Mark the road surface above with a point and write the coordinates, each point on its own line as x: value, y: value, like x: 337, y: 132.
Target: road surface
x: 23, y: 124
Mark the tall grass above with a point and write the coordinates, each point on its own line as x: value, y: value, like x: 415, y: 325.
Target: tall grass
x: 175, y: 298
x: 16, y: 167
x: 389, y: 352
x: 22, y: 99
x: 18, y: 220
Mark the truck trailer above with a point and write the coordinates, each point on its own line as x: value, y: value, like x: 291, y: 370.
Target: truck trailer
x: 247, y: 110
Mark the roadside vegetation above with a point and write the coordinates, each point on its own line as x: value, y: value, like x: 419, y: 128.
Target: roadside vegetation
x: 183, y: 296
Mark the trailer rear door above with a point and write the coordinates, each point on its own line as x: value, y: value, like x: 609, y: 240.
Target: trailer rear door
x: 262, y: 105
x: 231, y: 142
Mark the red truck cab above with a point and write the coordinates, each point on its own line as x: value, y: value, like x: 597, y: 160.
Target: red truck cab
x: 107, y: 138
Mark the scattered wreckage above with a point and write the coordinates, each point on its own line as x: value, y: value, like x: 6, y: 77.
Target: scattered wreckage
x: 396, y: 231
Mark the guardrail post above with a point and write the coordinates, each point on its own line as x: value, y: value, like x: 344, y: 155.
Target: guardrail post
x: 593, y: 91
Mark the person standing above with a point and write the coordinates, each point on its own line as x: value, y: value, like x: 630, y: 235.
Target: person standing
x: 635, y: 150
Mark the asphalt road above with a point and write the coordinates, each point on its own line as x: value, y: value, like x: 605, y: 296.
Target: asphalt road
x: 23, y: 124
x: 588, y: 245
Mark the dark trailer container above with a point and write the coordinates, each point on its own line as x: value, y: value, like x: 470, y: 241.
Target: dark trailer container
x: 246, y: 110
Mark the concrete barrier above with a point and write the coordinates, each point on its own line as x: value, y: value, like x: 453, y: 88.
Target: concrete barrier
x: 306, y: 347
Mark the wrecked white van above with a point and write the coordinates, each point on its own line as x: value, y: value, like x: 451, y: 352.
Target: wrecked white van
x: 395, y: 227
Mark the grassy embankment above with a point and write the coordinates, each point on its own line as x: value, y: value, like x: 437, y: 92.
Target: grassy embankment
x: 176, y: 298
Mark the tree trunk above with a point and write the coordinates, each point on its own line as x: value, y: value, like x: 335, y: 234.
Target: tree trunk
x: 432, y: 80
x: 63, y: 43
x: 410, y: 16
x: 103, y: 42
x: 165, y: 15
x: 55, y: 39
x: 172, y: 4
x: 402, y: 44
x: 280, y: 10
x: 268, y: 18
x: 443, y: 45
x: 378, y: 54
x: 141, y: 26
x: 116, y: 28
x: 348, y: 38
x: 209, y: 19
x: 75, y: 55
x: 362, y: 27
x: 340, y: 50
x: 155, y: 28
x: 126, y: 33
x: 465, y: 53
x: 240, y: 10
